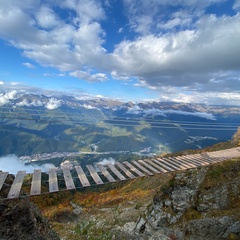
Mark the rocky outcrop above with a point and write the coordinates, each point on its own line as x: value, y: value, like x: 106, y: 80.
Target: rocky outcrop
x: 212, y: 228
x: 21, y: 220
x: 200, y: 203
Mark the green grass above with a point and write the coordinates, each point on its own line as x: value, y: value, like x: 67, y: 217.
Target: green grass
x: 89, y: 230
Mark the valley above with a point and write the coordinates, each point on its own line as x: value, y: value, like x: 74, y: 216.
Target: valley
x: 103, y: 127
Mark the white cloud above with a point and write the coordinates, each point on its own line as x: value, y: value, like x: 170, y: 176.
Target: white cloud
x: 46, y: 18
x: 89, y: 106
x: 107, y: 161
x: 34, y: 103
x: 159, y: 112
x: 53, y: 104
x: 12, y: 164
x: 7, y: 96
x: 28, y: 65
x: 96, y: 77
x: 120, y: 30
x: 15, y: 83
x: 153, y: 12
x: 236, y: 5
x: 64, y: 44
x: 184, y: 58
x: 1, y: 83
x: 186, y: 47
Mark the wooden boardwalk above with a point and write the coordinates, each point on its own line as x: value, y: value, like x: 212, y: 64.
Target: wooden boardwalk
x: 66, y: 179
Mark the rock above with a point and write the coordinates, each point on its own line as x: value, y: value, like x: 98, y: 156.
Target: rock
x: 77, y: 210
x: 212, y: 228
x: 183, y: 211
x: 20, y: 219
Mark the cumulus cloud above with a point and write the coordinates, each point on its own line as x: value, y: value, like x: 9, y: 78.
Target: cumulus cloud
x: 107, y: 161
x: 89, y: 107
x: 12, y: 164
x: 46, y: 18
x: 145, y: 16
x: 53, y: 103
x: 7, y: 96
x: 34, y: 103
x: 178, y: 48
x: 180, y: 58
x: 52, y: 41
x: 236, y: 5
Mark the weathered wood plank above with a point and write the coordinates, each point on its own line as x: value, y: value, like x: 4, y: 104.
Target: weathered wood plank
x: 163, y: 164
x: 183, y: 163
x: 106, y: 173
x: 126, y: 171
x: 209, y: 158
x: 132, y: 168
x: 68, y: 178
x: 197, y: 158
x: 94, y: 174
x: 233, y: 153
x: 145, y: 163
x: 17, y: 184
x: 214, y: 156
x: 36, y: 183
x: 142, y: 168
x: 187, y: 160
x: 53, y: 182
x: 3, y: 176
x: 172, y: 164
x: 157, y: 166
x: 82, y: 177
x: 200, y: 158
x: 116, y: 172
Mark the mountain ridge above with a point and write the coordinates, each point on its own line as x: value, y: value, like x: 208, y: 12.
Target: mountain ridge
x: 79, y: 123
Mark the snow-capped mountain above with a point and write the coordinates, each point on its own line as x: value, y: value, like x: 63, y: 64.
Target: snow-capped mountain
x: 35, y: 123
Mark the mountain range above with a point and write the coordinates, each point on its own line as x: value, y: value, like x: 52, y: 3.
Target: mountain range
x: 36, y: 123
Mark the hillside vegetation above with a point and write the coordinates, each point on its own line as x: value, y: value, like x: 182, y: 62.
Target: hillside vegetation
x: 179, y: 205
x: 26, y: 128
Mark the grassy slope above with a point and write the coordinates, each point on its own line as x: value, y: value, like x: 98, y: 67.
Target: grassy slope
x: 113, y: 205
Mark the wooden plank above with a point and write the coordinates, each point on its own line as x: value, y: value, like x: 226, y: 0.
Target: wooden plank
x: 68, y: 178
x: 106, y: 173
x: 183, y: 158
x: 132, y: 168
x: 198, y: 158
x: 214, y: 157
x: 36, y: 183
x: 170, y: 162
x: 3, y: 176
x: 142, y: 168
x: 194, y: 159
x: 209, y: 158
x: 17, y: 184
x: 163, y: 164
x: 157, y: 166
x: 126, y: 171
x: 94, y: 174
x: 233, y: 153
x: 145, y: 163
x: 53, y: 182
x: 82, y: 177
x: 116, y: 172
x: 183, y: 163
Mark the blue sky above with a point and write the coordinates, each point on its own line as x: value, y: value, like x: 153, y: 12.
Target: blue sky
x: 131, y: 50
